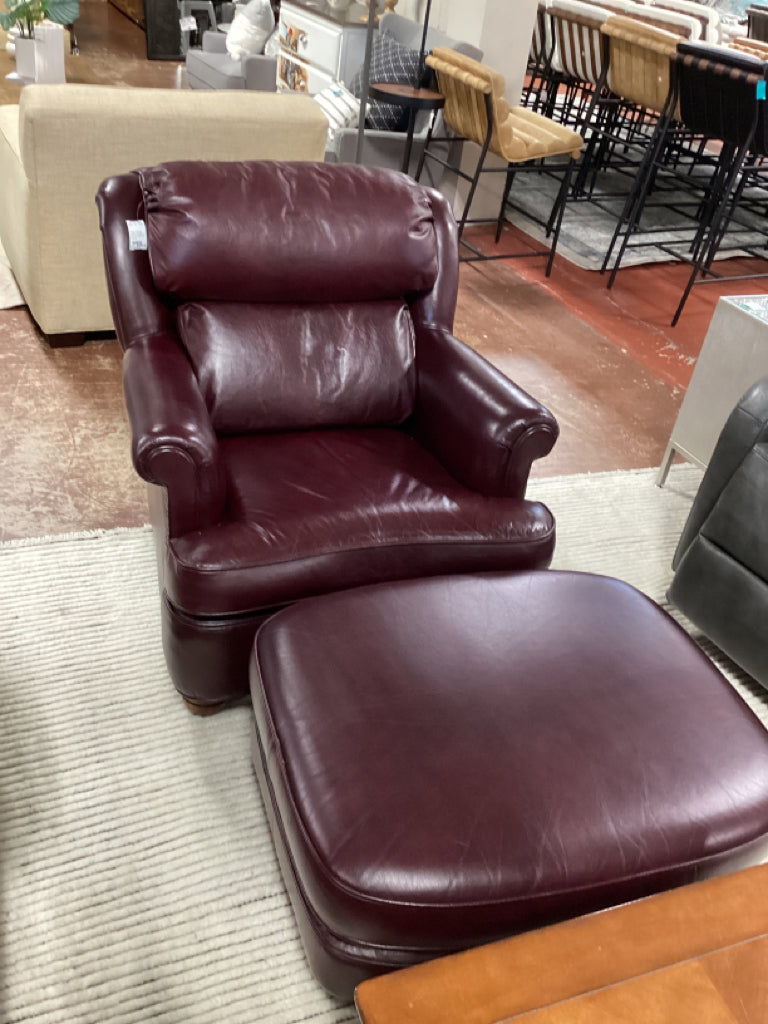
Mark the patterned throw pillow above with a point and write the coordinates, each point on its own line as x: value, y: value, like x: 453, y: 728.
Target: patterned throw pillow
x: 390, y: 62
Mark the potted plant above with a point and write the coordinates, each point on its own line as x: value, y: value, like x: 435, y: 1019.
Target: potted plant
x: 23, y: 15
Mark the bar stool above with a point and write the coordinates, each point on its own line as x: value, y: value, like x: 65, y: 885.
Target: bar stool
x: 475, y: 109
x: 722, y: 96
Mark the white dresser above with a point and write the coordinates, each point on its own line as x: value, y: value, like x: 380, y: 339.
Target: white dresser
x: 318, y: 44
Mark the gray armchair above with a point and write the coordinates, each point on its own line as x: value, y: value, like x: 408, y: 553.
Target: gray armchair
x: 386, y: 148
x: 211, y: 67
x: 721, y: 562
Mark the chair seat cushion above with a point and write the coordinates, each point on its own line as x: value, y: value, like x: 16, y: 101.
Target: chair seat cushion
x: 338, y: 508
x: 449, y: 761
x: 214, y: 70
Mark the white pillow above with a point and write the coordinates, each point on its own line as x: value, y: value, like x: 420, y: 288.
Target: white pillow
x: 272, y: 45
x: 250, y: 28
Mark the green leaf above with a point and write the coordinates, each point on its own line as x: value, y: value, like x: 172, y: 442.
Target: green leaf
x: 63, y: 12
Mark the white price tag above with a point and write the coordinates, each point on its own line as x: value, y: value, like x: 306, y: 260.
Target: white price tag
x: 137, y: 235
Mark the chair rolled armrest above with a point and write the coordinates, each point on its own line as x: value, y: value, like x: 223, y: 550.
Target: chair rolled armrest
x: 746, y: 427
x: 173, y: 444
x: 214, y: 41
x: 482, y: 427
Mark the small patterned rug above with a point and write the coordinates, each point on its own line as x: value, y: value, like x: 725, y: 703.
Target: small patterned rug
x: 588, y: 227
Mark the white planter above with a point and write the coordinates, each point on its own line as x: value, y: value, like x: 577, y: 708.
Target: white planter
x: 49, y: 60
x: 41, y: 59
x: 25, y: 58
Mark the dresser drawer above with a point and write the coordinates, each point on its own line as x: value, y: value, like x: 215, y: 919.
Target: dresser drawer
x: 299, y: 76
x: 314, y: 41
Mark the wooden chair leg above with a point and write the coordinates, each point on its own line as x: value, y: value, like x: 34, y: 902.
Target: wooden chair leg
x: 202, y: 710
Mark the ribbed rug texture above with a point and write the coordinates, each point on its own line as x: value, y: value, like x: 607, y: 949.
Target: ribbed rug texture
x: 9, y: 290
x: 137, y: 877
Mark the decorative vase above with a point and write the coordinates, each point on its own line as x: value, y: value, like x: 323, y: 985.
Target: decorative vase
x: 25, y: 58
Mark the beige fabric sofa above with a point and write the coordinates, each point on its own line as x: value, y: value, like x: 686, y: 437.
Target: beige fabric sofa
x: 62, y: 141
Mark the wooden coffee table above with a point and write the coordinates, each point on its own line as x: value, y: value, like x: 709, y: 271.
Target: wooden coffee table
x: 694, y: 955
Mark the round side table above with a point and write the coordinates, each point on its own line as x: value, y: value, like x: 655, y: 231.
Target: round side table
x: 412, y: 99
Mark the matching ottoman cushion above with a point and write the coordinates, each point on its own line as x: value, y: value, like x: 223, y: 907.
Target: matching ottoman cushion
x: 451, y: 760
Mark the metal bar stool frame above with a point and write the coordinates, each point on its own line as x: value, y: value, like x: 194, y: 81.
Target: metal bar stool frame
x: 552, y: 225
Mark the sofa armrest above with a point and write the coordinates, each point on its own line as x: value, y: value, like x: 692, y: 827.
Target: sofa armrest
x: 74, y: 136
x: 173, y: 443
x: 745, y: 428
x: 214, y: 41
x: 481, y: 426
x: 260, y: 72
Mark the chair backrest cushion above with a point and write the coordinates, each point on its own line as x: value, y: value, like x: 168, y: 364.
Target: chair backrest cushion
x: 291, y: 284
x: 576, y: 28
x: 286, y: 232
x: 640, y: 57
x: 297, y: 367
x: 518, y: 134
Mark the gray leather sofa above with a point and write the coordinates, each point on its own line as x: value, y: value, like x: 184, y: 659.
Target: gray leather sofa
x: 721, y: 561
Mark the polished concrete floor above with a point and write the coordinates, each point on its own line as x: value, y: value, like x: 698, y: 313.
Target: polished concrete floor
x: 607, y: 364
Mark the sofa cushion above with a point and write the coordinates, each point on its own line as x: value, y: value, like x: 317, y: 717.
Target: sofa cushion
x: 736, y: 524
x: 250, y: 28
x: 274, y: 367
x: 390, y: 62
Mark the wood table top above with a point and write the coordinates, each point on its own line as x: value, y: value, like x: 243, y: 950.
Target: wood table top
x: 694, y: 954
x: 406, y: 95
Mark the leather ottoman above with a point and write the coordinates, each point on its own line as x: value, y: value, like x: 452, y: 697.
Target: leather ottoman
x: 449, y: 761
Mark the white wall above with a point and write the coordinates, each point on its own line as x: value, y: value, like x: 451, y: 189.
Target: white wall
x: 410, y: 9
x: 502, y: 29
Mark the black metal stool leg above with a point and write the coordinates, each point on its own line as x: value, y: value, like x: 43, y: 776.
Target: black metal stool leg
x: 507, y: 188
x: 707, y: 245
x: 562, y: 198
x: 479, y: 168
x: 423, y: 156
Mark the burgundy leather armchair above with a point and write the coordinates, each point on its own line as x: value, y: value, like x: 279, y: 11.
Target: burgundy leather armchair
x: 302, y: 413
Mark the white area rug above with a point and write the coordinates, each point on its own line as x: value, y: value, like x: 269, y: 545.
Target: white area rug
x: 9, y: 290
x: 137, y: 879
